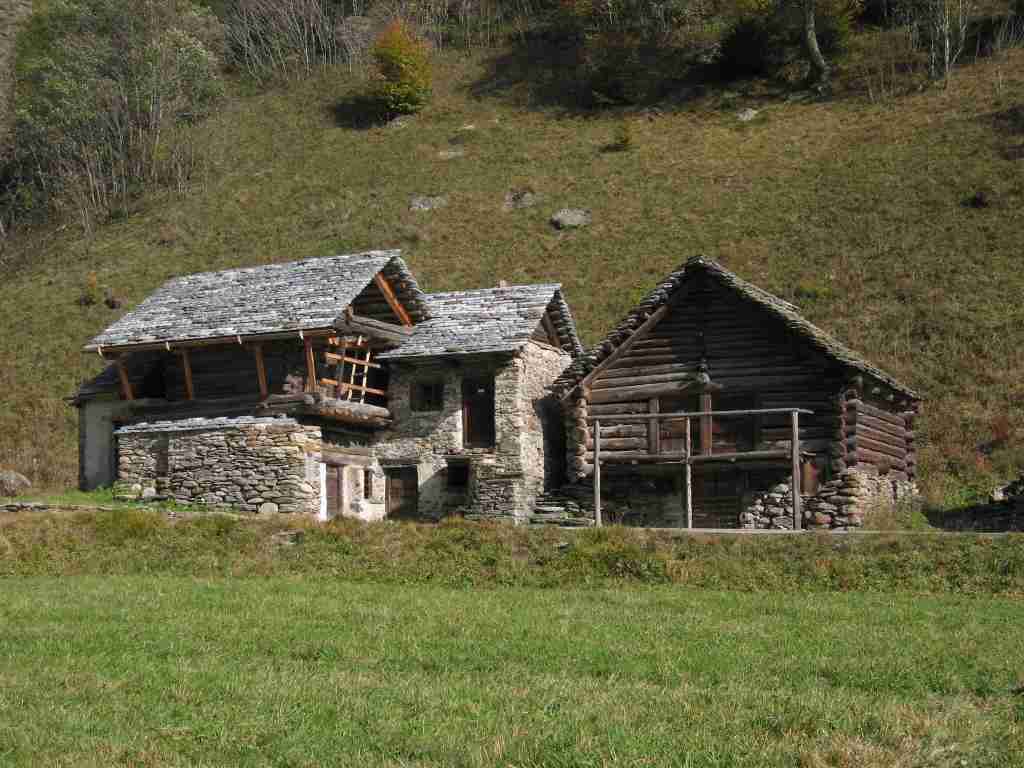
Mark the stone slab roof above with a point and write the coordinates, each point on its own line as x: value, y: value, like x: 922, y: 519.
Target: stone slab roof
x: 783, y: 310
x: 220, y: 422
x: 489, y: 320
x: 300, y: 295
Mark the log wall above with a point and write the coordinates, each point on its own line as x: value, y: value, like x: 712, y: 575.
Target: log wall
x: 880, y: 435
x: 749, y: 353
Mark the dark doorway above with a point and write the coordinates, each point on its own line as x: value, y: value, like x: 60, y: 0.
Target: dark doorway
x: 402, y: 493
x: 717, y: 497
x: 478, y: 413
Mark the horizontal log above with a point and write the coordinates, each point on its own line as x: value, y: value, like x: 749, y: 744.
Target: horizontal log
x: 856, y: 420
x: 869, y: 410
x: 874, y: 447
x: 332, y: 357
x: 627, y: 394
x: 886, y: 438
x: 639, y: 376
x: 605, y: 409
x: 877, y: 459
x: 610, y: 429
x: 619, y: 443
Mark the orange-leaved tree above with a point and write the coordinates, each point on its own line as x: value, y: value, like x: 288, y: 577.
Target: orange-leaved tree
x: 403, y: 58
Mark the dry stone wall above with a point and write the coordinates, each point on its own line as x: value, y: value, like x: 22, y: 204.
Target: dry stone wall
x: 263, y: 465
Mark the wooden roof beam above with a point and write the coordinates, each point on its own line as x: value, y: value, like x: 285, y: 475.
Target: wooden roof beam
x: 392, y: 299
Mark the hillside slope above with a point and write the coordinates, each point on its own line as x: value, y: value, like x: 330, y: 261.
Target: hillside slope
x: 853, y: 211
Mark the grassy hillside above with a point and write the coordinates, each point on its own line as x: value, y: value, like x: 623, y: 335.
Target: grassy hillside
x: 853, y: 210
x: 150, y: 671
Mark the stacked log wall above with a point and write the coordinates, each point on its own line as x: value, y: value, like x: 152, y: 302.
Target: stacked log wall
x: 747, y: 352
x: 878, y: 437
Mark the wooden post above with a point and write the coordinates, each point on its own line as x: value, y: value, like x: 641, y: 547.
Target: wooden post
x: 597, y: 474
x: 654, y: 427
x: 689, y: 479
x: 310, y: 367
x: 706, y: 429
x: 261, y: 370
x: 126, y: 384
x: 186, y: 366
x: 795, y: 450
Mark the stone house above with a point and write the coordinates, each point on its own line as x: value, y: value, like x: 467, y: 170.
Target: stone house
x: 332, y: 386
x: 769, y: 402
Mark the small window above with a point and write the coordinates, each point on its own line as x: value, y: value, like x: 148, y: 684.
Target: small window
x: 367, y: 483
x: 458, y: 474
x: 427, y: 395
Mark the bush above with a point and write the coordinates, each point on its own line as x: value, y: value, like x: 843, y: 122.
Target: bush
x: 763, y: 39
x: 404, y: 63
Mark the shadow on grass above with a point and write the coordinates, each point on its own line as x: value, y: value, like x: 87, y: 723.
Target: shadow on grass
x: 1004, y: 517
x: 359, y: 112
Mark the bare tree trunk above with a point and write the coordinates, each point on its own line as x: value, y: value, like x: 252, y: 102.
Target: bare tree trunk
x: 819, y: 67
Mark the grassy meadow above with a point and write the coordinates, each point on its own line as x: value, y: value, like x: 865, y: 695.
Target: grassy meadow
x: 852, y: 208
x: 152, y: 671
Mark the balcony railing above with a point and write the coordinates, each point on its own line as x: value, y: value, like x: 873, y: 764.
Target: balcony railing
x: 688, y: 459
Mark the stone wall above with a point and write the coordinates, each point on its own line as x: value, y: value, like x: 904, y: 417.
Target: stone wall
x: 839, y: 504
x: 255, y: 464
x: 503, y: 480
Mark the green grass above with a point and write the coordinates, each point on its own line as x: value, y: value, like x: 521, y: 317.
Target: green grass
x: 305, y: 672
x: 851, y: 209
x: 455, y: 554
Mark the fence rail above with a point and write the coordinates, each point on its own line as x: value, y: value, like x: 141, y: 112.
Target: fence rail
x: 687, y: 459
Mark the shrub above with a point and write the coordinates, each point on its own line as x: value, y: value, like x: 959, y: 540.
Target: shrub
x: 99, y: 94
x: 404, y: 63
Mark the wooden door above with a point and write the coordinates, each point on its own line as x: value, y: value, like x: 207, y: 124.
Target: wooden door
x: 478, y: 413
x: 403, y: 493
x: 717, y: 497
x: 335, y: 495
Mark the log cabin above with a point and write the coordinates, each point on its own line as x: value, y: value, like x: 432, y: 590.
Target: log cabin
x: 775, y: 424
x: 332, y: 387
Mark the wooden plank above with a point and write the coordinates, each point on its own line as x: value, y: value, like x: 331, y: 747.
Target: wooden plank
x: 186, y: 365
x: 798, y: 521
x: 620, y: 443
x: 858, y: 420
x: 886, y: 438
x: 861, y: 407
x: 653, y: 430
x: 706, y: 428
x: 393, y: 302
x: 597, y: 473
x: 367, y: 326
x: 870, y: 457
x: 310, y: 366
x: 331, y: 382
x: 688, y: 476
x: 126, y: 384
x: 643, y: 392
x: 361, y: 388
x: 622, y: 349
x: 875, y: 447
x: 261, y: 369
x: 216, y: 341
x: 335, y: 358
x: 550, y: 329
x: 608, y: 409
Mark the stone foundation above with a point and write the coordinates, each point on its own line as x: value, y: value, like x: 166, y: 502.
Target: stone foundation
x: 839, y: 504
x: 263, y: 465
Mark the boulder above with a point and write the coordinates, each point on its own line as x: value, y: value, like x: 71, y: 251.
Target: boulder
x: 13, y: 483
x: 519, y: 198
x: 746, y: 115
x: 427, y: 203
x: 571, y: 218
x: 268, y: 508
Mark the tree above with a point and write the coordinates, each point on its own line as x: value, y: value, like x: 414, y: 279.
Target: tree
x: 819, y: 67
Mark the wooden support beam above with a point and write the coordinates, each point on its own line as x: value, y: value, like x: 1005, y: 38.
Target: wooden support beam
x: 706, y: 428
x: 393, y: 302
x: 334, y: 358
x: 310, y: 366
x: 361, y: 388
x: 186, y: 366
x: 623, y: 348
x: 597, y: 474
x: 798, y: 522
x: 261, y: 370
x: 126, y: 384
x: 367, y: 326
x: 653, y: 427
x: 688, y: 476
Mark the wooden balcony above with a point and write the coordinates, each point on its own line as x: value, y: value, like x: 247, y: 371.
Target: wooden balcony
x: 687, y: 458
